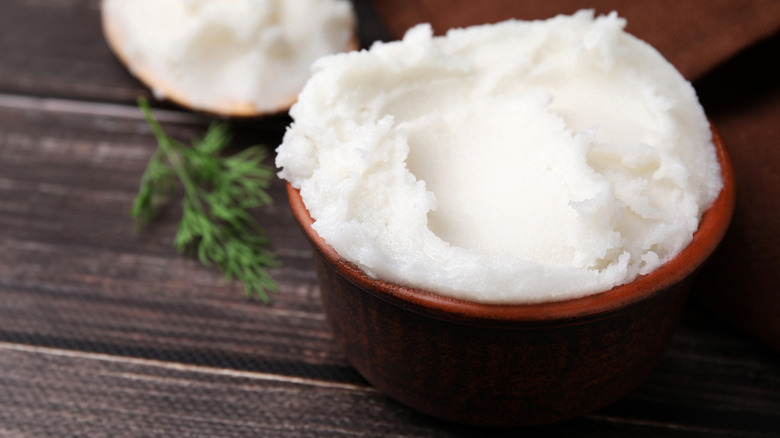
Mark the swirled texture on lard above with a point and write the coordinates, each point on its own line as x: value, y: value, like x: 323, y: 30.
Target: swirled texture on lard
x: 509, y: 163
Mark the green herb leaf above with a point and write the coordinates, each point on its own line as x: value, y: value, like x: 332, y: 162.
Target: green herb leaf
x: 216, y: 225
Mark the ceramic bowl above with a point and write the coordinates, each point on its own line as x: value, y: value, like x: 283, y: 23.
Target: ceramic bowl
x: 509, y: 365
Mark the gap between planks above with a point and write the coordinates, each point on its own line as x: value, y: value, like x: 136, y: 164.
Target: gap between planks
x: 174, y: 366
x: 666, y: 425
x: 10, y: 101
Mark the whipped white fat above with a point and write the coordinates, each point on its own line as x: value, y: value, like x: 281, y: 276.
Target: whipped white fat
x: 509, y: 163
x: 227, y: 56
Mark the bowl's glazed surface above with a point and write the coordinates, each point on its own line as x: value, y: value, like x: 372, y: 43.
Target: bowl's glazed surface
x: 509, y: 365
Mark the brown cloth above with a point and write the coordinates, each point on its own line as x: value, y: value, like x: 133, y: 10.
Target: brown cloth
x: 730, y: 50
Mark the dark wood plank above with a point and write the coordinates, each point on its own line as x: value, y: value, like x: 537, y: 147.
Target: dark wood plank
x: 69, y: 255
x: 56, y: 48
x: 50, y: 392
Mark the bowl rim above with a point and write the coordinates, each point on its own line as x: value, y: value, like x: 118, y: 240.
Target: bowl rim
x: 712, y: 228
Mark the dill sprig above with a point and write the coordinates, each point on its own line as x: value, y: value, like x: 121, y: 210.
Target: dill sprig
x: 217, y: 194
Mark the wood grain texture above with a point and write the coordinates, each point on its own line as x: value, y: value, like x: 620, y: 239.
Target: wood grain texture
x: 69, y: 254
x: 55, y: 392
x: 107, y: 332
x: 55, y: 48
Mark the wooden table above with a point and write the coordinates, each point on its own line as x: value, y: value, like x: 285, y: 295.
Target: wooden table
x: 108, y: 332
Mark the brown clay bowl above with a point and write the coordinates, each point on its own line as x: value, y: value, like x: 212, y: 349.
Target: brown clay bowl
x: 509, y: 365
